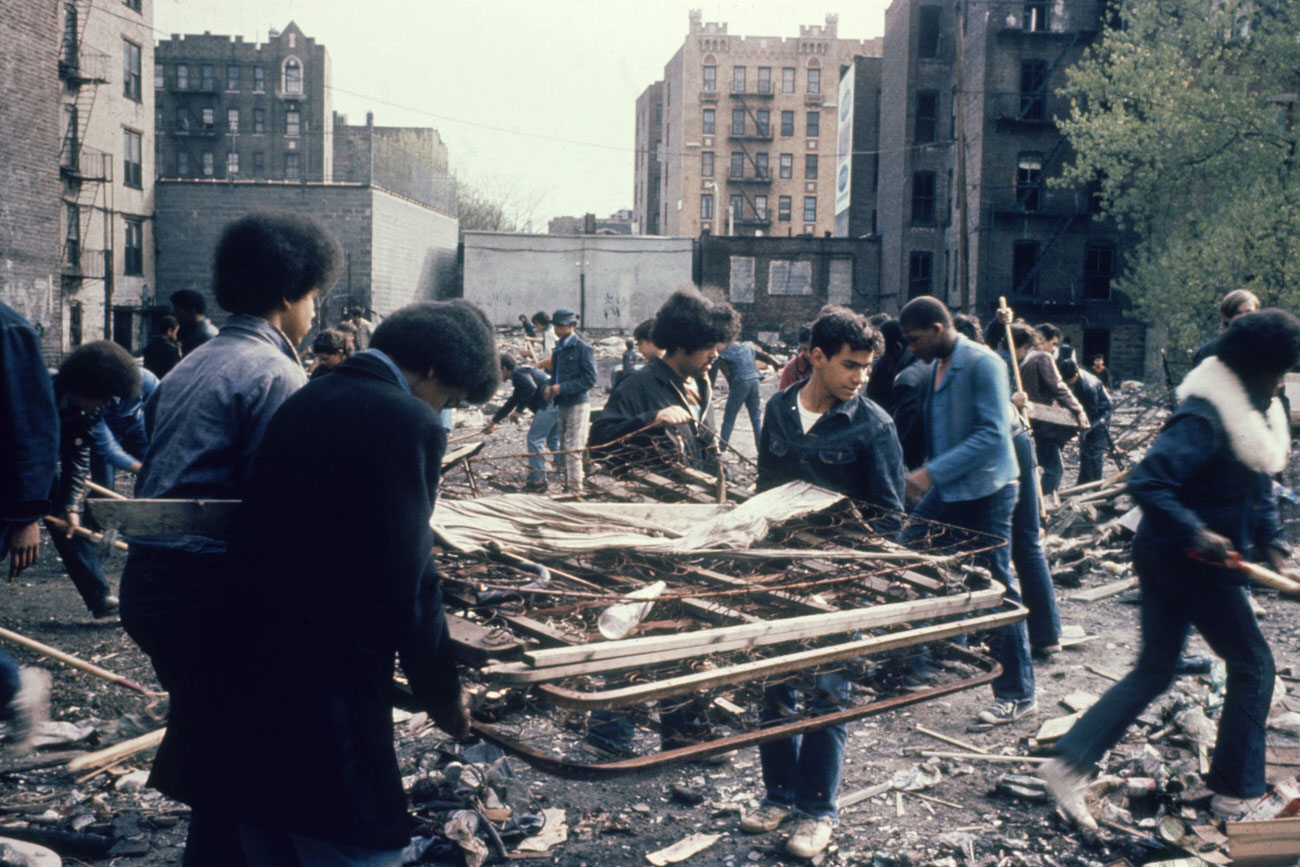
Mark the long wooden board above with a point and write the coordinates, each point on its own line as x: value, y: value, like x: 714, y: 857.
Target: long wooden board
x: 770, y: 632
x: 214, y: 519
x: 629, y: 695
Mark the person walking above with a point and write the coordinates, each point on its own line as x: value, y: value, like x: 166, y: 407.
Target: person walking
x: 573, y: 375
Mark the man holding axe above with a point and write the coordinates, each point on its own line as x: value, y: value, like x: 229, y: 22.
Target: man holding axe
x: 1205, y: 488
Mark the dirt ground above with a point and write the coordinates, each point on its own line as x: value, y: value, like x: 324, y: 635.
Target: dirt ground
x: 625, y: 818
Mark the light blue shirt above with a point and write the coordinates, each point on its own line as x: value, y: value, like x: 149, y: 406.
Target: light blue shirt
x: 968, y: 426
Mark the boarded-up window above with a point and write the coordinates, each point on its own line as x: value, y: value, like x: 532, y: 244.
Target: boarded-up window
x: 742, y: 279
x: 839, y: 285
x: 789, y: 278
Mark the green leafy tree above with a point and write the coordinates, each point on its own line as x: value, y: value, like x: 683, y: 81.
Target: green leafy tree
x: 1185, y: 112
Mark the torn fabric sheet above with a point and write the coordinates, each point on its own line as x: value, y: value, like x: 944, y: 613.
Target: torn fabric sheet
x: 532, y: 525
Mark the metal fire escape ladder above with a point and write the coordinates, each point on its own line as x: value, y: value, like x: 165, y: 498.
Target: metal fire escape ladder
x: 85, y: 171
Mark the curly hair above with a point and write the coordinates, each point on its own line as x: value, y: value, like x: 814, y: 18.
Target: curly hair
x: 266, y: 257
x: 1267, y: 341
x: 100, y: 370
x: 329, y: 341
x: 689, y: 322
x: 644, y: 330
x: 968, y: 325
x: 842, y: 327
x: 1025, y: 335
x: 452, y: 338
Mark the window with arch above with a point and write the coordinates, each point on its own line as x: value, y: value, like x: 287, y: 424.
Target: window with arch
x: 710, y: 74
x: 291, y: 76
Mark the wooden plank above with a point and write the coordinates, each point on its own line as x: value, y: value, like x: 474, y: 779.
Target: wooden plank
x: 1268, y: 843
x: 1112, y: 588
x: 1055, y: 729
x: 455, y: 456
x: 745, y: 672
x: 214, y: 519
x: 771, y: 632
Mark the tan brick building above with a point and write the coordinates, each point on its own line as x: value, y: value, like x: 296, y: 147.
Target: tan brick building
x: 748, y: 142
x: 105, y: 162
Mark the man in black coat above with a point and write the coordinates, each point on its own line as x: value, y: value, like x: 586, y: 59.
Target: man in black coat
x: 289, y: 757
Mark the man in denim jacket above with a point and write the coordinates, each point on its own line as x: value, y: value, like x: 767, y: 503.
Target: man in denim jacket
x: 823, y: 431
x: 573, y: 374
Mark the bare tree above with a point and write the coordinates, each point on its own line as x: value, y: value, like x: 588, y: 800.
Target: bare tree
x: 496, y: 204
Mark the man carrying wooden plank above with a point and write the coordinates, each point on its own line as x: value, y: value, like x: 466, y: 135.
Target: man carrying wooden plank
x: 822, y: 431
x: 289, y: 755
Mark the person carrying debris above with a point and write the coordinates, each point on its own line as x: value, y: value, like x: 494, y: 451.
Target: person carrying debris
x: 95, y: 376
x: 1096, y: 403
x: 528, y: 392
x: 29, y: 460
x: 288, y: 758
x: 656, y: 415
x: 573, y: 375
x: 969, y: 478
x: 1205, y: 490
x: 822, y: 431
x: 1042, y: 383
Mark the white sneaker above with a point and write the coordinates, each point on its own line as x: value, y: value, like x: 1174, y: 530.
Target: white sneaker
x: 1231, y: 809
x: 810, y: 837
x: 1066, y: 786
x: 30, y: 707
x: 768, y: 817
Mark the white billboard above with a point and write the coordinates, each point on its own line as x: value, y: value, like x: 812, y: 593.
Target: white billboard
x: 844, y: 139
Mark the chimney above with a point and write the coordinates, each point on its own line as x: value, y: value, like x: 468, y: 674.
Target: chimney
x: 370, y: 118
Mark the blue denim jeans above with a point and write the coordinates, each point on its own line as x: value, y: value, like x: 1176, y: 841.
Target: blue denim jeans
x: 1049, y: 458
x: 679, y: 723
x: 742, y: 394
x: 992, y: 515
x: 9, y: 684
x: 1092, y: 451
x: 804, y: 771
x: 81, y: 562
x: 1044, y: 621
x: 543, y: 436
x: 1176, y: 596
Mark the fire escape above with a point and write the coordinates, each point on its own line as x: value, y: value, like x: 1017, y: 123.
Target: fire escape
x: 748, y: 182
x: 87, y: 173
x: 1027, y: 113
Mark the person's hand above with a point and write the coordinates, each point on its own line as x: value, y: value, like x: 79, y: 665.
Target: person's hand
x: 1004, y: 315
x: 1083, y: 419
x: 1210, y: 545
x: 1020, y: 399
x: 919, y: 482
x: 452, y: 716
x: 551, y: 391
x: 514, y: 416
x: 24, y: 547
x: 74, y: 522
x: 671, y: 415
x: 136, y: 466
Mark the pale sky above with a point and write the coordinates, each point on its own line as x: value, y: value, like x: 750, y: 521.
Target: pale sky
x: 538, y: 94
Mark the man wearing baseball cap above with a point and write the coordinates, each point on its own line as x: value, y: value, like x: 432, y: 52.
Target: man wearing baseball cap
x: 573, y: 374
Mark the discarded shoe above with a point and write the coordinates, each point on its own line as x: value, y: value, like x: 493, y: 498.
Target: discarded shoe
x: 1067, y: 786
x: 30, y: 707
x: 768, y: 817
x: 1231, y: 809
x: 1001, y: 712
x: 810, y: 837
x: 108, y: 608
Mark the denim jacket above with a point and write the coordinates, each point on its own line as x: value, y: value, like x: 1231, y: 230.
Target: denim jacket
x: 29, y: 423
x: 208, y: 415
x: 573, y: 369
x: 968, y: 426
x: 852, y: 449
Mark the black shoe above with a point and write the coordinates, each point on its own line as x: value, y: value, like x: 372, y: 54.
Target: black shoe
x: 536, y: 487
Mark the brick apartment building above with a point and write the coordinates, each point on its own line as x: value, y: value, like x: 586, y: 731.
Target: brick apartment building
x: 649, y: 133
x: 234, y: 109
x: 748, y: 140
x: 409, y: 161
x: 1011, y: 233
x: 617, y: 223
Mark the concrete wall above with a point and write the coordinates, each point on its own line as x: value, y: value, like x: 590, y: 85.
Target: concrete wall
x: 29, y: 185
x: 626, y: 279
x: 414, y: 253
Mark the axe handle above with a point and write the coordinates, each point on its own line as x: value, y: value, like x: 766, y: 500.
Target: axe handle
x: 75, y: 662
x: 1020, y: 411
x: 60, y: 524
x: 105, y: 492
x: 1269, y: 578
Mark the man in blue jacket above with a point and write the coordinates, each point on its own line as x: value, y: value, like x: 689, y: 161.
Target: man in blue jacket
x: 825, y: 432
x: 1096, y: 403
x: 573, y: 374
x: 969, y: 478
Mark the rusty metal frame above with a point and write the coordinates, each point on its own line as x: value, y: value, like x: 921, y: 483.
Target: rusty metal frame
x: 570, y: 770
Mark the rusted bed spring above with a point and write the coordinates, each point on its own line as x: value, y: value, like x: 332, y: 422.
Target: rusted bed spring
x: 571, y: 770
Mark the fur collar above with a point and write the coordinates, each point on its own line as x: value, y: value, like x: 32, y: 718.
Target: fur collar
x: 1259, y: 442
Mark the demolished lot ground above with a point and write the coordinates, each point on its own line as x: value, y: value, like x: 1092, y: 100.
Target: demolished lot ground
x: 946, y: 810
